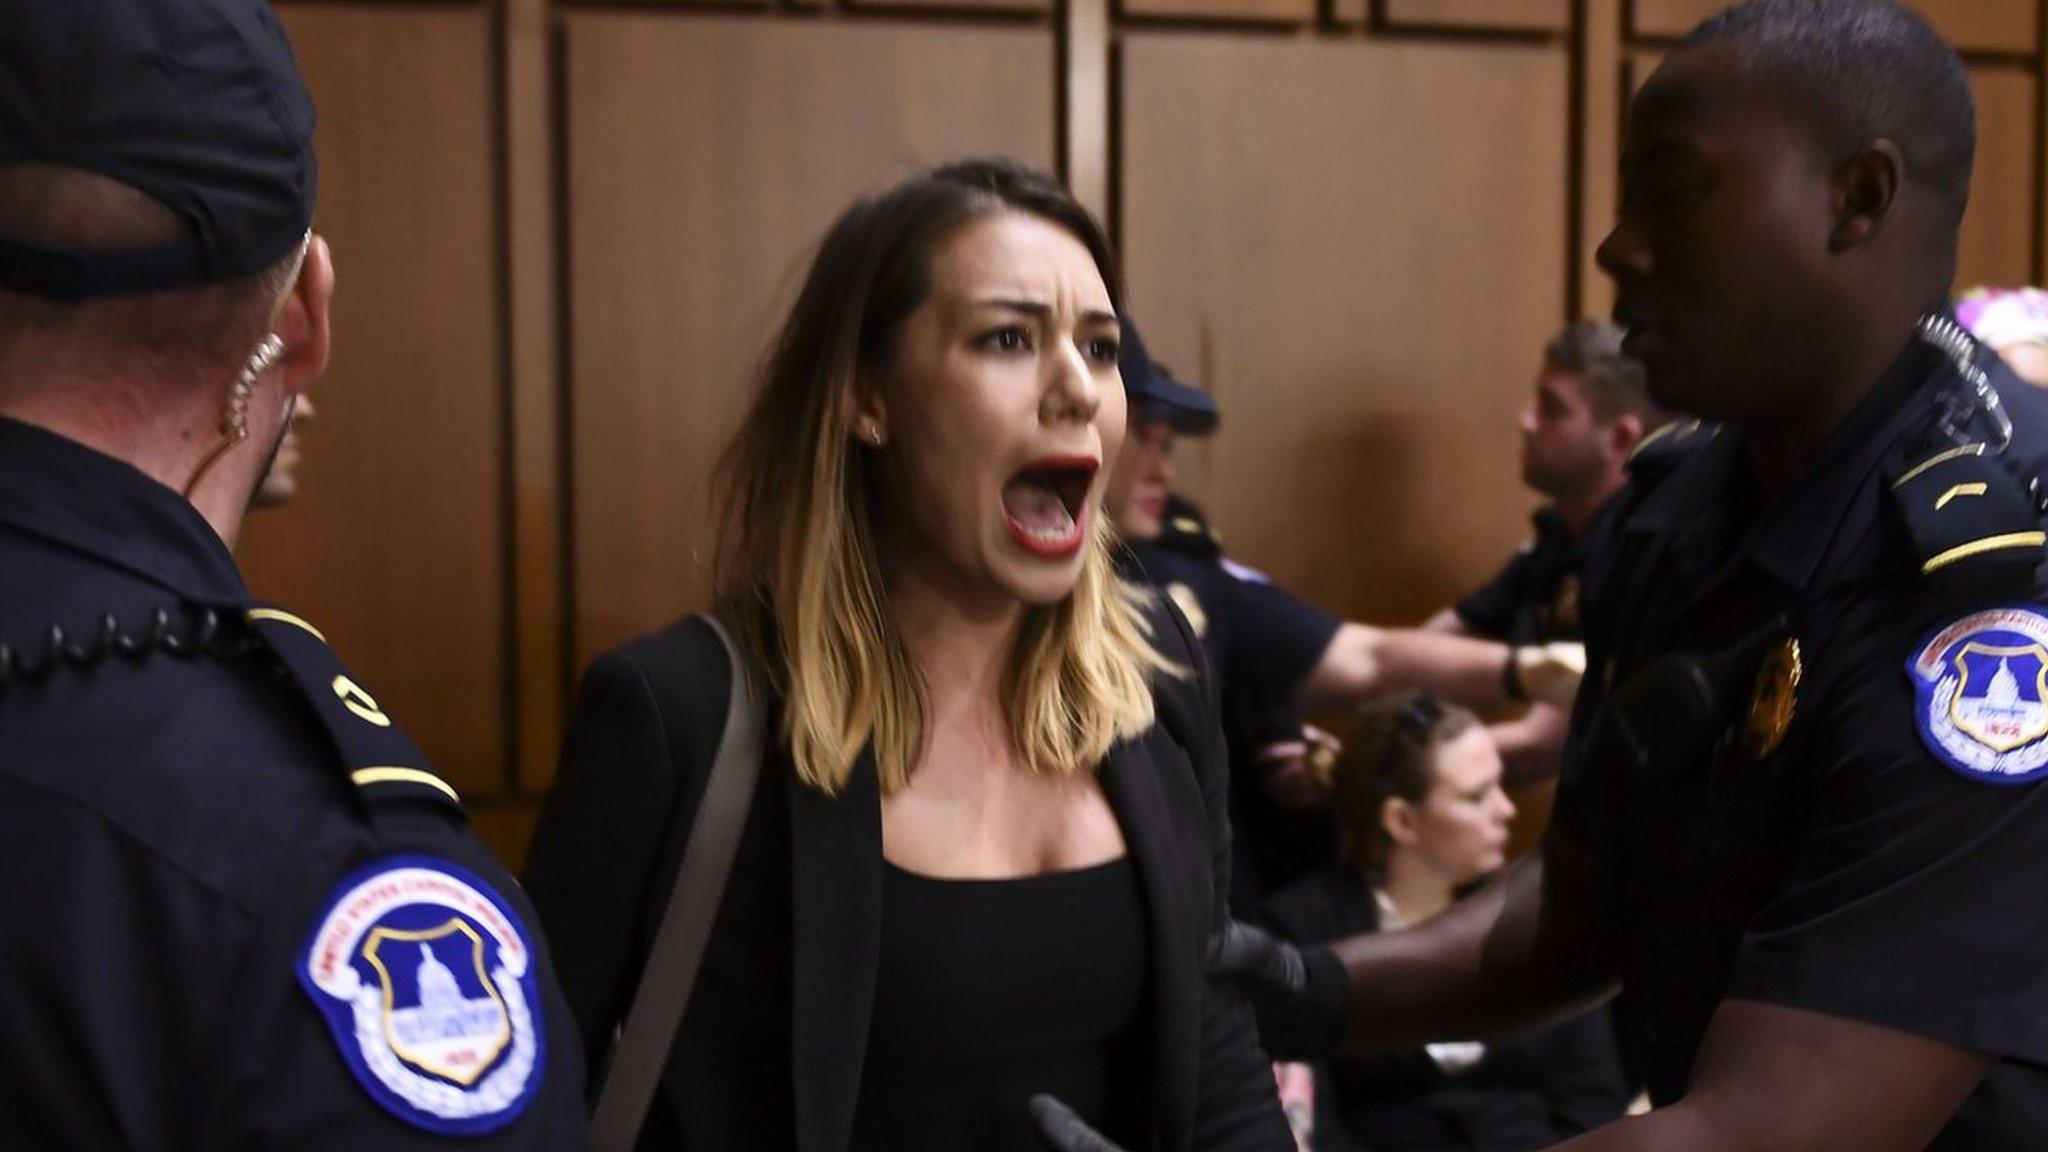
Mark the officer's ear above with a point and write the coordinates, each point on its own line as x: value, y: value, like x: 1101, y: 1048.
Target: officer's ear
x: 1400, y: 822
x: 303, y: 319
x: 1864, y: 190
x: 1624, y: 432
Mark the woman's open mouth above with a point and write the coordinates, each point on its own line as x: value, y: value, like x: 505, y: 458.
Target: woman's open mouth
x: 1045, y: 505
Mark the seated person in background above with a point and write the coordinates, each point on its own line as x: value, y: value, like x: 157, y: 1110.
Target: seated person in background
x: 1422, y: 813
x: 1271, y: 653
x: 2014, y: 322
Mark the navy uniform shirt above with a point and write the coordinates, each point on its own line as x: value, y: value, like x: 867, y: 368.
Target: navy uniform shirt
x: 1538, y: 596
x: 1534, y: 598
x: 1805, y: 759
x: 1262, y: 643
x: 235, y: 909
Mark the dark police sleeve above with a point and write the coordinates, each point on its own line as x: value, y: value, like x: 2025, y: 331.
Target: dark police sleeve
x: 1276, y: 639
x: 1915, y: 898
x: 1489, y: 610
x: 175, y: 870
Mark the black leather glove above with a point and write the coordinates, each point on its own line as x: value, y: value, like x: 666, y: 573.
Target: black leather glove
x: 1261, y: 964
x: 1299, y: 995
x: 1059, y: 1130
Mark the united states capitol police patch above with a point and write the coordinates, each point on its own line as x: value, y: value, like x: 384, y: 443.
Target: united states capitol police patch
x: 427, y: 981
x: 1981, y: 694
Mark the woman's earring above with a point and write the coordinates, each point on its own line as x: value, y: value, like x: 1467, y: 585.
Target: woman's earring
x: 234, y: 422
x: 873, y: 432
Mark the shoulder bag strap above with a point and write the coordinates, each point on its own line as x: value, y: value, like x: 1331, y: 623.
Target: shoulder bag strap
x: 650, y: 1026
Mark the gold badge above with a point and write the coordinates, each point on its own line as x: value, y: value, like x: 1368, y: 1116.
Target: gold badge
x: 1564, y: 604
x: 1190, y: 607
x: 1772, y: 703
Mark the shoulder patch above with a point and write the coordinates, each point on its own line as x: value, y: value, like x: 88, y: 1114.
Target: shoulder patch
x: 427, y: 981
x: 1980, y: 687
x: 1244, y: 573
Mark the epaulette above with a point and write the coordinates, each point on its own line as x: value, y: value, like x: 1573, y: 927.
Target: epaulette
x: 1973, y: 524
x: 1661, y: 452
x: 1185, y: 529
x: 381, y: 761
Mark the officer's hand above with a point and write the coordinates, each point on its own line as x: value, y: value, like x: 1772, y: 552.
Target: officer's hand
x: 1296, y: 773
x: 1266, y: 968
x: 1297, y: 1021
x: 1059, y: 1130
x: 1550, y: 673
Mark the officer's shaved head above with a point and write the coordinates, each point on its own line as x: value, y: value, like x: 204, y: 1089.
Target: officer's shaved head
x: 1864, y: 69
x: 166, y: 330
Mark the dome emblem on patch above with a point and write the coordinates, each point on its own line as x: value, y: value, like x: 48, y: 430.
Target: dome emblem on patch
x: 426, y: 979
x: 1981, y: 691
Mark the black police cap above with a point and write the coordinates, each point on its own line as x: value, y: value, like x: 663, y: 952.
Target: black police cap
x: 1187, y: 408
x: 196, y: 103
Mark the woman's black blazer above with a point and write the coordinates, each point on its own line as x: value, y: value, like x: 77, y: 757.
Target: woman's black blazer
x: 769, y: 1053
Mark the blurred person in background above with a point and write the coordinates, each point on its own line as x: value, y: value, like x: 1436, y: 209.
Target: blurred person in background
x: 1274, y: 655
x: 1277, y: 656
x: 2012, y: 322
x: 1588, y: 416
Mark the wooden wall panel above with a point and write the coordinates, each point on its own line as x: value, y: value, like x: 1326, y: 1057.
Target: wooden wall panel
x: 1361, y: 250
x: 1085, y: 44
x: 394, y: 545
x: 533, y: 386
x: 1525, y: 16
x: 1283, y: 11
x: 706, y: 157
x: 1998, y: 229
x: 957, y: 5
x: 1637, y: 67
x: 1986, y: 25
x: 1603, y: 100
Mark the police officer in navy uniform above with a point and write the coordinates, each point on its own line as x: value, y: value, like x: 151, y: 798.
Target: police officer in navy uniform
x: 1589, y: 421
x: 1274, y: 654
x: 237, y: 909
x: 1261, y: 640
x: 1801, y: 823
x: 1589, y: 414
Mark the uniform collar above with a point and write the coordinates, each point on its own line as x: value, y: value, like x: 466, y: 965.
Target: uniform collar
x: 59, y: 489
x: 1551, y: 527
x: 1788, y: 540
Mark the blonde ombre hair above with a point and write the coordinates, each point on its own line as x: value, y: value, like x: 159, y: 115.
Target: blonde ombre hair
x: 797, y: 570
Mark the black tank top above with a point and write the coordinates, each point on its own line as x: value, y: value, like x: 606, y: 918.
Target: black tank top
x: 991, y: 991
